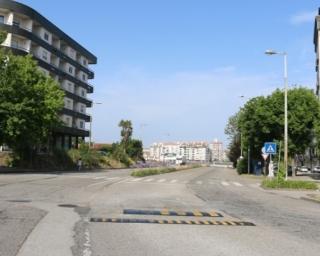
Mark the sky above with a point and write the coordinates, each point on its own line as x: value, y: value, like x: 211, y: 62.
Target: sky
x: 177, y: 68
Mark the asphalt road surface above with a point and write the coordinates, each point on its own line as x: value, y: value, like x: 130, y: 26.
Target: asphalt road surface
x: 205, y: 211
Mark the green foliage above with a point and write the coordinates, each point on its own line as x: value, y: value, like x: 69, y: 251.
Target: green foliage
x: 126, y: 132
x: 156, y: 171
x: 90, y: 158
x: 29, y: 105
x: 242, y: 166
x: 152, y: 171
x: 234, y: 151
x: 262, y: 119
x: 3, y: 36
x: 135, y: 150
x: 290, y: 184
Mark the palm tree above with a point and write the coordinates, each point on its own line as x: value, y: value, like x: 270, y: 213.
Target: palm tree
x: 126, y: 132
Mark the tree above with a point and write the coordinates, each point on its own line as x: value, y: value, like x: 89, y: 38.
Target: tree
x: 126, y: 132
x: 233, y: 132
x: 29, y: 105
x: 135, y: 150
x: 3, y: 36
x: 262, y: 120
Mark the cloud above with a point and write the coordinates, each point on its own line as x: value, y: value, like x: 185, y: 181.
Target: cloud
x: 303, y: 17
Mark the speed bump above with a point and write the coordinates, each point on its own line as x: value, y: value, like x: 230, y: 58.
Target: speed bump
x: 195, y: 213
x: 183, y: 222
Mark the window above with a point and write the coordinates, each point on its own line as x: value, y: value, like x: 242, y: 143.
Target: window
x: 46, y: 36
x: 1, y: 19
x: 81, y: 123
x: 70, y: 87
x: 84, y: 77
x: 44, y: 55
x: 84, y: 62
x: 82, y: 109
x: 68, y: 121
x: 70, y: 70
x: 83, y: 93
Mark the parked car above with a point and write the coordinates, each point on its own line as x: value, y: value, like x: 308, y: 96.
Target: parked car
x: 303, y: 169
x: 316, y: 169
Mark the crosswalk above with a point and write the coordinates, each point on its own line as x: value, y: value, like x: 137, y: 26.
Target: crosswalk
x: 100, y: 180
x: 191, y: 182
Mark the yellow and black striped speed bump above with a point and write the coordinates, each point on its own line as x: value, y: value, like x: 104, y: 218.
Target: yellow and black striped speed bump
x: 185, y: 222
x: 195, y: 213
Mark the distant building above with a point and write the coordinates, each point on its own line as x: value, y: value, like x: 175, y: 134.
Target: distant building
x: 316, y: 41
x: 217, y: 151
x: 180, y: 151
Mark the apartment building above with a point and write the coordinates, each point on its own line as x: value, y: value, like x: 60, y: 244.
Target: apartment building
x: 217, y: 151
x: 316, y: 40
x: 190, y: 151
x: 59, y: 56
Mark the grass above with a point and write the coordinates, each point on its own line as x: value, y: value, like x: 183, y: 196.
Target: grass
x: 156, y: 171
x: 290, y: 184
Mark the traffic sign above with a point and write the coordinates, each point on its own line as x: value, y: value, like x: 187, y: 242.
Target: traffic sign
x: 270, y: 148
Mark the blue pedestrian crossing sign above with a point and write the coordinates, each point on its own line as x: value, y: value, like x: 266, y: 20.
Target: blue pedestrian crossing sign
x: 270, y: 148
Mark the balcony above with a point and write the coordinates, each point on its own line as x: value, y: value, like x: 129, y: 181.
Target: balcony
x: 18, y: 29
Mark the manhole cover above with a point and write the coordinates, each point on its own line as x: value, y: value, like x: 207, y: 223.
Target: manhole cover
x: 68, y: 205
x: 19, y: 201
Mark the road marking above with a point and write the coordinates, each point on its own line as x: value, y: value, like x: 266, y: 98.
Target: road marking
x: 98, y: 183
x: 237, y: 184
x: 199, y: 182
x: 166, y: 212
x: 225, y: 183
x: 162, y: 180
x: 87, y: 244
x: 112, y: 178
x: 173, y: 181
x: 189, y: 222
x: 98, y: 178
x: 211, y: 183
x: 137, y: 179
x: 185, y: 182
x: 148, y: 180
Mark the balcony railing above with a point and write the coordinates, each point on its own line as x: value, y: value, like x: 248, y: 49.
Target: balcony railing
x: 64, y: 55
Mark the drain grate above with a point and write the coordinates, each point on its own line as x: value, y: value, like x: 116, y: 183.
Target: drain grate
x: 68, y: 205
x: 19, y: 201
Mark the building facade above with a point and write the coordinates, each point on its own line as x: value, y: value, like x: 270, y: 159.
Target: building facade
x: 187, y: 151
x: 217, y: 151
x: 316, y: 41
x: 58, y: 56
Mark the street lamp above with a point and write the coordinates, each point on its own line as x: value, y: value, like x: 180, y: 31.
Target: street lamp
x: 284, y: 54
x: 241, y: 149
x: 90, y: 137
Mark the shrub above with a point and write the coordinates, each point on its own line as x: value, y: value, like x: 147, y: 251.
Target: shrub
x: 290, y: 184
x: 242, y: 166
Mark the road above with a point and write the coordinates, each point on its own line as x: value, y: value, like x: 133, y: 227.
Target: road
x: 79, y: 214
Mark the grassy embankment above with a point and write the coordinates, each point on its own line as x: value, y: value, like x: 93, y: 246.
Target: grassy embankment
x: 289, y: 184
x: 161, y: 170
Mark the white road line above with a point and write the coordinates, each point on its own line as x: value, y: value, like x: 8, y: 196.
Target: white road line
x: 199, y: 182
x: 185, y: 182
x: 98, y: 178
x: 162, y: 180
x: 237, y: 184
x: 112, y: 178
x: 98, y: 183
x: 137, y: 179
x: 173, y: 181
x: 148, y: 180
x: 211, y: 183
x: 225, y: 183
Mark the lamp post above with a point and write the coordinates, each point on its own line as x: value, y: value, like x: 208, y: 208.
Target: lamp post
x: 284, y: 54
x: 90, y: 128
x: 241, y: 149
